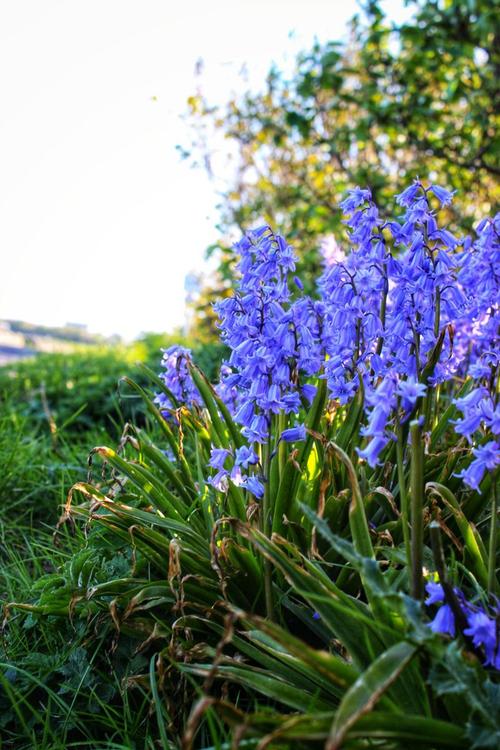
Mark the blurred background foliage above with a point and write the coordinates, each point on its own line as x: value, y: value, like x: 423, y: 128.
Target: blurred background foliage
x: 54, y: 408
x: 391, y: 103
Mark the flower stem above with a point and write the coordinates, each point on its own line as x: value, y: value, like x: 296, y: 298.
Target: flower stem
x: 437, y: 316
x: 383, y: 308
x: 492, y: 552
x: 417, y: 503
x: 266, y: 525
x: 403, y: 494
x: 281, y: 458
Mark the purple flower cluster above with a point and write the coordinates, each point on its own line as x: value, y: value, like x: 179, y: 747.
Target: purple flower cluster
x: 482, y: 629
x: 352, y: 290
x: 477, y: 335
x: 271, y: 338
x: 178, y: 381
x: 479, y: 413
x: 243, y: 458
x: 389, y: 300
x: 382, y: 402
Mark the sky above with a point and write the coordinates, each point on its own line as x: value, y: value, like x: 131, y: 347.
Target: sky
x: 100, y: 220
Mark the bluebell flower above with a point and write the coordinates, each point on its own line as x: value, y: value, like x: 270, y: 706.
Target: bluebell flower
x: 471, y: 399
x: 226, y: 388
x: 410, y: 390
x: 478, y: 411
x: 382, y: 308
x: 168, y: 453
x: 255, y: 486
x: 245, y: 413
x: 298, y: 283
x: 444, y: 196
x: 491, y: 416
x: 477, y: 329
x: 407, y: 197
x: 294, y: 434
x: 273, y: 341
x: 481, y: 628
x: 469, y: 424
x: 245, y: 457
x: 444, y: 621
x: 218, y: 457
x: 355, y: 198
x: 435, y: 593
x: 373, y: 450
x: 291, y: 403
x: 220, y: 480
x: 487, y: 458
x: 479, y: 369
x: 237, y: 478
x: 483, y: 631
x: 309, y: 392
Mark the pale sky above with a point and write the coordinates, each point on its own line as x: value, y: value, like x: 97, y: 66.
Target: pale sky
x: 100, y: 221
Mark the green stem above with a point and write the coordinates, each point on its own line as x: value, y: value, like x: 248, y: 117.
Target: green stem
x: 437, y: 316
x: 427, y: 405
x: 403, y: 494
x: 492, y: 552
x: 439, y: 561
x: 383, y: 307
x: 417, y: 505
x: 266, y: 524
x: 281, y: 458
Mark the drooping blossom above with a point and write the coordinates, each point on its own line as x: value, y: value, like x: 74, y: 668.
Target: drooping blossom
x: 482, y: 628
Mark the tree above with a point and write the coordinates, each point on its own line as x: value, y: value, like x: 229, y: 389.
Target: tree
x: 388, y: 105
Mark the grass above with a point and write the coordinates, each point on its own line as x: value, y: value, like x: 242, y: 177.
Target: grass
x: 54, y: 410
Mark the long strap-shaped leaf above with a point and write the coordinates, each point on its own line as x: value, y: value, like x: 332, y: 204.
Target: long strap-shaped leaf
x: 146, y: 482
x: 473, y: 542
x: 368, y: 689
x: 223, y: 432
x: 225, y: 429
x: 350, y: 425
x: 408, y: 730
x: 384, y: 605
x: 266, y: 653
x: 332, y: 667
x: 290, y: 479
x: 261, y: 681
x: 158, y: 458
x: 343, y: 615
x: 171, y: 439
x: 357, y: 517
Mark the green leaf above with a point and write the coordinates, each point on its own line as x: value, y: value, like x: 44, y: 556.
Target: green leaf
x: 348, y: 619
x: 266, y: 684
x: 474, y: 547
x: 357, y: 516
x: 285, y: 498
x: 368, y: 689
